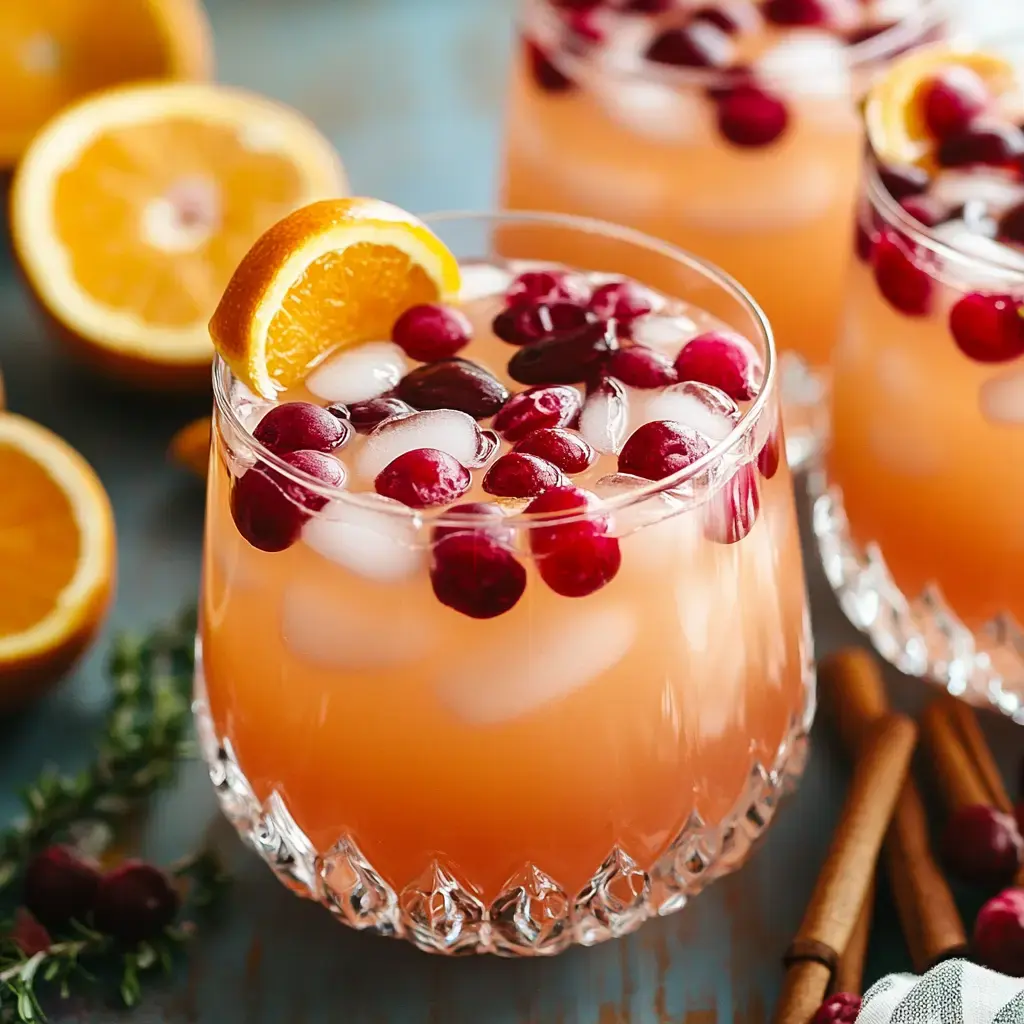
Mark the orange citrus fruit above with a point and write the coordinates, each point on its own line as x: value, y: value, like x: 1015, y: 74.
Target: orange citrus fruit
x: 56, y: 51
x: 190, y: 446
x: 56, y: 557
x: 131, y: 209
x: 334, y: 274
x: 893, y: 111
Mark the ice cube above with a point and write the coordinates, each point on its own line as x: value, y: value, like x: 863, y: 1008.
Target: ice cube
x: 566, y: 650
x: 651, y: 109
x: 374, y: 538
x: 667, y: 333
x: 1002, y: 398
x: 706, y: 409
x: 481, y: 280
x: 989, y: 264
x: 809, y: 62
x: 605, y: 417
x: 624, y: 47
x: 995, y: 190
x: 359, y: 373
x: 885, y: 11
x: 338, y: 631
x: 448, y: 430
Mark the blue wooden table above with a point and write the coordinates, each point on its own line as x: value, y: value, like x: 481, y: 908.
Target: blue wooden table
x: 411, y: 92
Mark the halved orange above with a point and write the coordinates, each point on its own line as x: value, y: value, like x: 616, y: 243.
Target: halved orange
x: 56, y: 51
x: 334, y: 274
x: 57, y: 557
x: 893, y: 111
x: 132, y: 208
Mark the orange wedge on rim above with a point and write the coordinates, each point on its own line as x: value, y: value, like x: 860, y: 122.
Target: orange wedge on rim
x: 893, y: 110
x: 56, y: 557
x: 132, y: 208
x: 334, y: 274
x: 56, y: 51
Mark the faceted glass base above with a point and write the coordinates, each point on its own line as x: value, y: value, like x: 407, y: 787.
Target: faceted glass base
x: 805, y: 392
x: 534, y: 915
x: 920, y: 636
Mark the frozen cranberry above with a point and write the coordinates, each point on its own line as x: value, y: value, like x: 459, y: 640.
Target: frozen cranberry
x: 487, y: 517
x: 731, y: 16
x: 660, y: 449
x: 295, y: 426
x: 797, y: 12
x: 999, y: 933
x: 731, y: 513
x: 476, y: 575
x: 697, y: 45
x: 367, y: 416
x: 770, y: 456
x: 454, y: 384
x: 982, y: 845
x: 538, y: 407
x: 925, y: 210
x: 60, y: 886
x: 647, y: 6
x: 135, y: 901
x: 536, y: 286
x: 572, y: 501
x: 842, y: 1008
x: 523, y: 324
x: 28, y: 934
x: 951, y: 100
x: 750, y: 117
x: 641, y: 367
x: 988, y: 328
x: 562, y: 448
x: 422, y: 478
x: 991, y: 144
x: 544, y: 72
x: 431, y: 331
x: 567, y: 359
x: 581, y: 564
x: 908, y: 287
x: 725, y: 361
x: 901, y: 181
x: 518, y: 475
x: 622, y: 301
x: 1011, y: 225
x: 269, y: 509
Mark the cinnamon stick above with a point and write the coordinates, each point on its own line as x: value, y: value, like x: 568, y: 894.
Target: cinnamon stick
x: 959, y: 783
x: 931, y: 923
x: 965, y: 723
x: 830, y: 918
x: 849, y: 974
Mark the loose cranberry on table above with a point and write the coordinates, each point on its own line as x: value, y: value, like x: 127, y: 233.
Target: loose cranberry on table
x: 951, y: 100
x: 475, y: 574
x: 295, y: 426
x: 431, y: 331
x: 535, y: 408
x: 524, y: 324
x: 546, y: 286
x: 988, y: 328
x: 423, y: 478
x: 518, y: 475
x: 60, y: 886
x: 660, y: 449
x: 454, y: 384
x: 135, y: 901
x: 562, y: 448
x: 841, y: 1008
x: 982, y: 845
x: 999, y: 933
x: 725, y: 361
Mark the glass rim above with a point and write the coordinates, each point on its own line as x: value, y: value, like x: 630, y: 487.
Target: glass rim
x: 223, y: 378
x: 897, y: 37
x: 929, y: 238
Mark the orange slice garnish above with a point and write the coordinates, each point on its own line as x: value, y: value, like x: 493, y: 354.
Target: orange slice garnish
x: 131, y: 210
x: 893, y: 111
x: 335, y: 274
x: 56, y: 51
x: 56, y: 557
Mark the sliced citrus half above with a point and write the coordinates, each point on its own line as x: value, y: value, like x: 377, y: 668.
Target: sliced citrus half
x: 57, y: 557
x: 893, y: 111
x: 56, y: 51
x: 334, y: 274
x: 131, y: 210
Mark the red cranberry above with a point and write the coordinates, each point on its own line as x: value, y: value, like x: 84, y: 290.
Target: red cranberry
x: 367, y: 416
x: 697, y: 45
x: 950, y: 101
x: 647, y: 6
x: 864, y: 238
x: 523, y: 324
x: 60, y: 886
x: 562, y: 448
x: 725, y: 361
x: 865, y: 32
x: 731, y: 17
x: 422, y: 478
x: 729, y: 80
x: 28, y: 934
x: 660, y: 449
x: 487, y: 518
x: 908, y: 287
x: 731, y: 513
x: 536, y: 286
x: 925, y: 210
x: 566, y: 499
x: 982, y: 845
x: 622, y: 301
x: 797, y: 12
x: 842, y: 1008
x: 135, y: 902
x: 999, y: 933
x: 641, y: 367
x: 270, y: 510
x: 454, y: 384
x: 518, y: 475
x: 431, y: 331
x: 545, y: 74
x: 581, y: 564
x: 584, y: 25
x: 988, y: 328
x: 770, y: 456
x: 298, y: 426
x: 567, y: 359
x: 538, y: 407
x: 991, y: 144
x: 903, y: 181
x: 750, y: 117
x: 1011, y: 225
x: 476, y: 575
